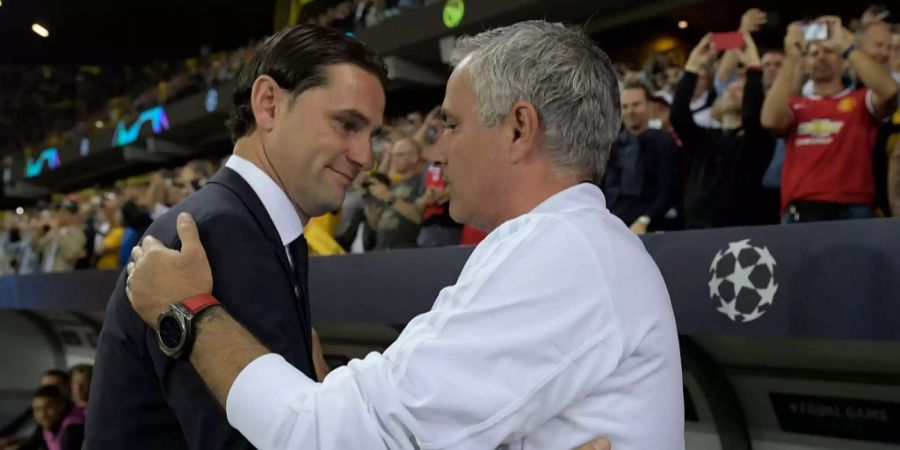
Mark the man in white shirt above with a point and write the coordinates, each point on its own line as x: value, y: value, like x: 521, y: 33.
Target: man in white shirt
x: 559, y: 328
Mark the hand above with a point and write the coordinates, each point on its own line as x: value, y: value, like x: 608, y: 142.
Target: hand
x: 839, y: 38
x: 319, y: 362
x: 871, y: 15
x: 701, y: 54
x: 752, y: 20
x: 380, y: 191
x: 441, y: 196
x: 638, y: 227
x: 434, y: 116
x: 749, y: 55
x: 373, y: 213
x: 159, y: 277
x: 598, y: 444
x: 793, y: 40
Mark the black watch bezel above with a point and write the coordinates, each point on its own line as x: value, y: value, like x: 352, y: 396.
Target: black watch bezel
x: 178, y: 317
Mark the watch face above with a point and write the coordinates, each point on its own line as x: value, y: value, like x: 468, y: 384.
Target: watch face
x: 170, y: 332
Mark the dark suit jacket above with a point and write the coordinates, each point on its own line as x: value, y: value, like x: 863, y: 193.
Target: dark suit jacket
x: 141, y: 399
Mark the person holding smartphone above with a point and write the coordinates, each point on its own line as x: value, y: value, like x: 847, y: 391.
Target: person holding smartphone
x: 827, y: 173
x: 726, y: 164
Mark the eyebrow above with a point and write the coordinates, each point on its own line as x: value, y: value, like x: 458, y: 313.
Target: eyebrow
x: 445, y: 114
x: 358, y: 117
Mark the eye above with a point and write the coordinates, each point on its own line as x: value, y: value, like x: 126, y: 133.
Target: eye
x: 347, y: 126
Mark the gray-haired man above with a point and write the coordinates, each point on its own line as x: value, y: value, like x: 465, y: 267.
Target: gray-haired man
x: 559, y: 328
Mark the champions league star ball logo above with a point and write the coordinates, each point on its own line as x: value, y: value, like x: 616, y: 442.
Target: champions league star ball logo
x: 742, y: 281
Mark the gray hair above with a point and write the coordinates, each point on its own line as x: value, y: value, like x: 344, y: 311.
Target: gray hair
x: 559, y: 70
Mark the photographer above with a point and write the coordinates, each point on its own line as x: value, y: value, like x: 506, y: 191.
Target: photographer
x: 725, y: 165
x: 391, y: 212
x: 827, y: 172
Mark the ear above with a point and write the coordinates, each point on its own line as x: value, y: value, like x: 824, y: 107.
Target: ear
x: 526, y: 130
x: 265, y: 98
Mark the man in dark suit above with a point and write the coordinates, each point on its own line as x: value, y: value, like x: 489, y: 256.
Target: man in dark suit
x: 304, y: 113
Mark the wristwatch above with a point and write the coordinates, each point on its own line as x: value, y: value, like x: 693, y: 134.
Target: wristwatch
x: 175, y: 327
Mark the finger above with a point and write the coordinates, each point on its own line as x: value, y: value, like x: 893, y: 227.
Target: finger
x: 130, y: 269
x: 128, y: 294
x: 137, y: 253
x: 150, y: 243
x: 189, y: 235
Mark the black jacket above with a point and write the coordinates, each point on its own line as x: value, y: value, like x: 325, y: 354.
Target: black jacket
x: 141, y: 399
x: 725, y: 167
x: 643, y: 177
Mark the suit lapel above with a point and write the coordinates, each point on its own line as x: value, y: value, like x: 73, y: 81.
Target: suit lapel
x: 234, y: 182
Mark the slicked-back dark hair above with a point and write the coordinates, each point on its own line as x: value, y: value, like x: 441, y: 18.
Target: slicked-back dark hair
x: 296, y: 58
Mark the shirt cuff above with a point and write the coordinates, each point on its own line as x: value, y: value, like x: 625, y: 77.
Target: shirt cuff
x: 261, y: 393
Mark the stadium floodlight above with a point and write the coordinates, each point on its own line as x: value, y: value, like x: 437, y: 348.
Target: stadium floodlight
x: 40, y: 30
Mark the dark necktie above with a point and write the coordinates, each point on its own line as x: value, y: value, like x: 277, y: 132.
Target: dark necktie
x: 299, y: 251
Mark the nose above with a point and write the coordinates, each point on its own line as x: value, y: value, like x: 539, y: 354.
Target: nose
x: 360, y: 154
x: 439, y: 150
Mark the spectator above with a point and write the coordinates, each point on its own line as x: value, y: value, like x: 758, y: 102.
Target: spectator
x: 827, y: 170
x: 751, y: 22
x: 135, y: 219
x: 703, y: 99
x: 771, y: 61
x: 875, y: 41
x: 87, y: 216
x: 895, y: 55
x: 725, y: 165
x: 398, y: 224
x: 659, y: 113
x: 61, y: 423
x: 60, y: 379
x: 109, y: 235
x: 438, y: 228
x: 894, y: 179
x: 64, y: 242
x: 641, y: 182
x: 81, y: 384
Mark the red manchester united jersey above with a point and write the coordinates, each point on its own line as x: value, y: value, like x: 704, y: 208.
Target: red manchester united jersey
x: 829, y: 149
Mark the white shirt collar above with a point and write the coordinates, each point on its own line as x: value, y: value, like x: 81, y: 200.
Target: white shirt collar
x: 277, y: 204
x: 582, y: 195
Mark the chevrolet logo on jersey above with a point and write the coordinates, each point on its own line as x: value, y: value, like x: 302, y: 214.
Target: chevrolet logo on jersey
x: 820, y: 128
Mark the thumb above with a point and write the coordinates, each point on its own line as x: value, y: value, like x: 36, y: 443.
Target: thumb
x: 189, y: 235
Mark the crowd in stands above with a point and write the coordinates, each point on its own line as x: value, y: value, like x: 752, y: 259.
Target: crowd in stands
x: 63, y: 103
x: 352, y: 15
x: 57, y: 415
x: 743, y: 136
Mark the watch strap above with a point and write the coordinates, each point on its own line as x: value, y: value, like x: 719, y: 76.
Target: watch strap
x: 198, y: 303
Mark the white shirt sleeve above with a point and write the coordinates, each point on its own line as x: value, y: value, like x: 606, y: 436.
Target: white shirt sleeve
x: 501, y: 352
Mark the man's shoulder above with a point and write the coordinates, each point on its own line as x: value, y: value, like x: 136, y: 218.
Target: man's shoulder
x: 210, y: 204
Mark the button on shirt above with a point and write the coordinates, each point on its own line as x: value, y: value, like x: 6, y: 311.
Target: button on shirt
x: 282, y: 212
x: 559, y: 330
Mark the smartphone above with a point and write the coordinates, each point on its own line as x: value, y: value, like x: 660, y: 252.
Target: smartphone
x: 816, y: 31
x: 727, y: 41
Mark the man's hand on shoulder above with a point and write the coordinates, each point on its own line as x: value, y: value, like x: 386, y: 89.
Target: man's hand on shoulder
x: 159, y: 277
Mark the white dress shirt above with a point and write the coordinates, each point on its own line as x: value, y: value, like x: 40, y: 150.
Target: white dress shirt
x: 282, y: 212
x: 558, y: 331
